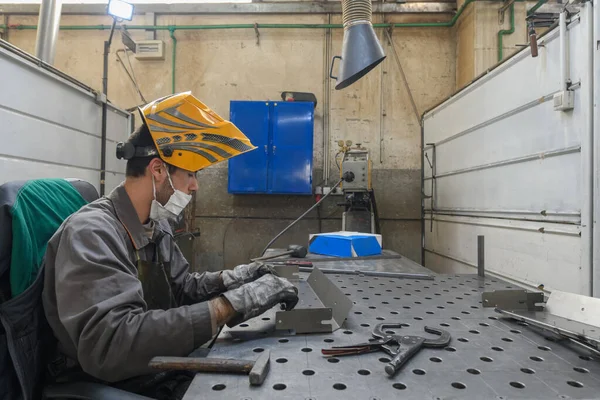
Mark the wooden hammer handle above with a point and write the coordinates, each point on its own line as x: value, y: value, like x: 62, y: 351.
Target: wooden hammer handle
x: 198, y: 364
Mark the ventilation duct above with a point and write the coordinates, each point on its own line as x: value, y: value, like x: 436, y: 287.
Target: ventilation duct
x: 47, y: 32
x: 361, y: 50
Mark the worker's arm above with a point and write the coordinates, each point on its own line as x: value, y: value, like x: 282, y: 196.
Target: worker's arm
x: 100, y: 304
x: 194, y: 287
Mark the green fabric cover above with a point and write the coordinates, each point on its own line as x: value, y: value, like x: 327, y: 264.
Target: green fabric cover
x: 40, y: 208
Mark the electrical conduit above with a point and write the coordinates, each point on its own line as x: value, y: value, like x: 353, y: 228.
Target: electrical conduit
x: 503, y: 32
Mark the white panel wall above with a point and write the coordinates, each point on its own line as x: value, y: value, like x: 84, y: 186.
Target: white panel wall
x: 509, y: 167
x: 50, y: 126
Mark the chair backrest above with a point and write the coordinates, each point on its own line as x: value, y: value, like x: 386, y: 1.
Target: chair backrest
x: 8, y: 195
x: 26, y: 340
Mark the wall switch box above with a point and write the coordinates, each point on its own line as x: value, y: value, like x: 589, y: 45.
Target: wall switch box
x: 564, y: 100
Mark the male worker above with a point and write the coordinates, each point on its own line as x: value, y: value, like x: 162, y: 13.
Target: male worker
x: 117, y: 289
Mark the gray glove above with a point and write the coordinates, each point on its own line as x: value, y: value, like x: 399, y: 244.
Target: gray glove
x: 244, y: 273
x: 256, y: 297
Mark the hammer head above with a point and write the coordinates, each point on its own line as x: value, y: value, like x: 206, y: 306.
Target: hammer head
x: 297, y: 251
x: 261, y: 367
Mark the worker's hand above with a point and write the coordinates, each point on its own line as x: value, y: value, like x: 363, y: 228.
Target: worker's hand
x: 254, y: 298
x: 245, y: 273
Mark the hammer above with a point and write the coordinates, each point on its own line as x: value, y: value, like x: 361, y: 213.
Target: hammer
x: 294, y: 250
x: 257, y: 370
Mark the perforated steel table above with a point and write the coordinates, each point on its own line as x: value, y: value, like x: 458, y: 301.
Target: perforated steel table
x: 488, y: 357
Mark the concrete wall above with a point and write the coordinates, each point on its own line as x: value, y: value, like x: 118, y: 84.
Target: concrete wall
x: 223, y: 65
x: 477, y: 38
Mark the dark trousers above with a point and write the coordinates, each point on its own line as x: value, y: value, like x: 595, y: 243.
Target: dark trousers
x: 168, y: 385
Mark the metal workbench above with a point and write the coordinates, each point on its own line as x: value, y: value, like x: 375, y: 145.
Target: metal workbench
x: 488, y: 357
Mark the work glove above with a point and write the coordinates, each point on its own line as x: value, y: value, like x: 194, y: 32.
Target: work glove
x: 245, y: 273
x: 254, y: 298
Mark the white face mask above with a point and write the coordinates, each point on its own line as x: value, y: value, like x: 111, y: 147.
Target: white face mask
x: 177, y: 202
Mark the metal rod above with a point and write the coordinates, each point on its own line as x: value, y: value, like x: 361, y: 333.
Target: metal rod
x: 588, y: 137
x: 499, y: 118
x: 449, y: 257
x: 433, y: 182
x: 594, y: 116
x: 584, y: 345
x: 481, y: 256
x: 423, y: 198
x: 300, y: 217
x: 365, y: 258
x: 399, y: 275
x: 381, y: 114
x: 540, y: 229
x: 500, y: 211
x: 404, y: 80
x: 559, y: 331
x: 326, y: 102
x: 510, y: 161
x: 506, y: 217
x: 47, y: 33
x: 105, y: 109
x: 564, y: 57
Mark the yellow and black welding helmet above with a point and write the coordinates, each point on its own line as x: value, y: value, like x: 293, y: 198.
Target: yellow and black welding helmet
x: 188, y: 134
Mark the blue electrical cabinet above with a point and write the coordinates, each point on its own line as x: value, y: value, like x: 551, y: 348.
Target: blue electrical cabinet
x: 283, y: 135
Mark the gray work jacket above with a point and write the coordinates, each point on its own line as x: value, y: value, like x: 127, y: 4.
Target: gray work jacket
x: 94, y: 302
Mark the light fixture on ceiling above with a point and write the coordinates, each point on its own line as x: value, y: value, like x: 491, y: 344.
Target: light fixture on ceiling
x: 120, y: 9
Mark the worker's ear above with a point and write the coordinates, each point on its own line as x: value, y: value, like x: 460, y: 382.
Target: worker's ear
x: 158, y: 169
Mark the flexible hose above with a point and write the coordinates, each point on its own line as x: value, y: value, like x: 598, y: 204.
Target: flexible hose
x: 300, y: 217
x: 356, y: 11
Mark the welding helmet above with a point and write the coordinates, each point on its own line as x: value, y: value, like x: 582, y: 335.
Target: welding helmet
x: 187, y: 134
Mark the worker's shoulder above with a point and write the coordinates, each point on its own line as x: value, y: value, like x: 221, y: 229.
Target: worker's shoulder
x: 96, y: 217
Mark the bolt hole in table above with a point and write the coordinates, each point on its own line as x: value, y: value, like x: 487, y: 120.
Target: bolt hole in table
x: 489, y: 357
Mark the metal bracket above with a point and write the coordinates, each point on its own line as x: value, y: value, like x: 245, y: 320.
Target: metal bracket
x: 323, y: 307
x: 513, y: 300
x: 432, y: 165
x: 289, y: 272
x: 257, y: 32
x: 100, y: 98
x: 502, y: 10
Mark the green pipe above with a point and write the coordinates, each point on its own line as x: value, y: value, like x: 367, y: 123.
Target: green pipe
x: 173, y: 58
x: 503, y: 32
x: 536, y: 6
x: 173, y: 28
x: 447, y: 24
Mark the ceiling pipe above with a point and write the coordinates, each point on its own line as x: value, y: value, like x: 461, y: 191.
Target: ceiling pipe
x: 48, y: 27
